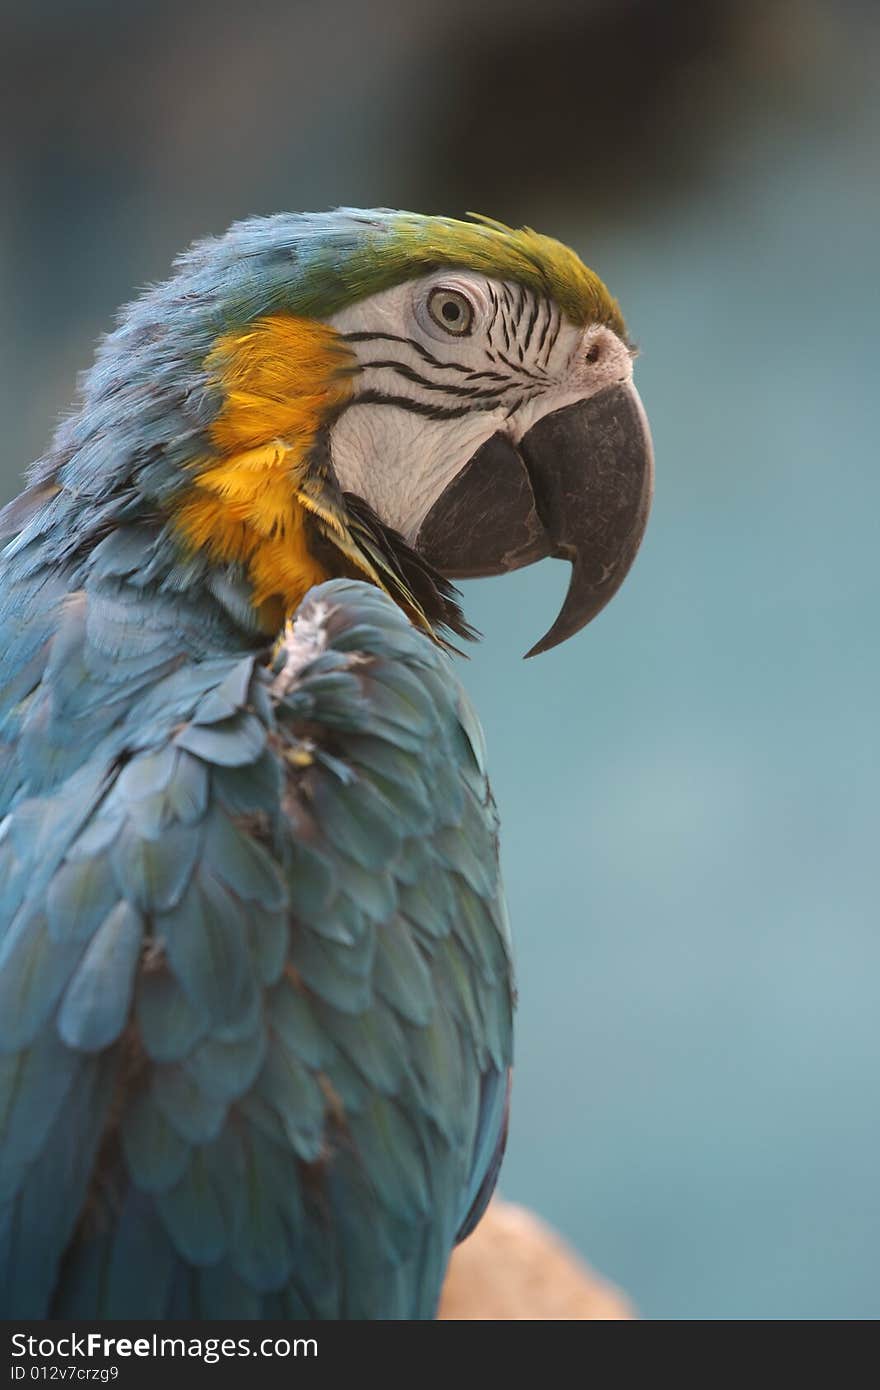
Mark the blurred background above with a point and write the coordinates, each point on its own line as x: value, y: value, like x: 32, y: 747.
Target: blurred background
x: 689, y: 789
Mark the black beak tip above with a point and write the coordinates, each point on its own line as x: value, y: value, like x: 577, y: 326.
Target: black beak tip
x: 546, y: 644
x: 596, y: 464
x: 583, y: 602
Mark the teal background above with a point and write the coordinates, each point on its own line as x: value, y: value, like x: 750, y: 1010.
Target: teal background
x: 688, y: 789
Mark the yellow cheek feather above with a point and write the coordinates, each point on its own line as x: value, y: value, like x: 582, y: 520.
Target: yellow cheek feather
x: 280, y: 380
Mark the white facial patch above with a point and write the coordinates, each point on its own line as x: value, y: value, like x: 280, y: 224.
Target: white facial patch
x: 447, y: 362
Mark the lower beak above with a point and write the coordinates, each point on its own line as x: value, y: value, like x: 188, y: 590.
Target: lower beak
x: 577, y: 487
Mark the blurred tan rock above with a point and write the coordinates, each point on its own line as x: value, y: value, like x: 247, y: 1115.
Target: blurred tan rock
x: 515, y: 1268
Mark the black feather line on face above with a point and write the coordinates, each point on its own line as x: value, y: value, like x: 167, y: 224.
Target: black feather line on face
x: 431, y: 412
x: 473, y: 393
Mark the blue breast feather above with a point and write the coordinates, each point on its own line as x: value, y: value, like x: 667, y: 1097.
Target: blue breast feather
x: 255, y: 983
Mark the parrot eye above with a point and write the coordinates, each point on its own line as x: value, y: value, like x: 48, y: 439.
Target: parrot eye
x: 452, y: 311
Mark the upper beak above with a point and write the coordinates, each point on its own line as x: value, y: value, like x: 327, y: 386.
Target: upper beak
x: 577, y: 486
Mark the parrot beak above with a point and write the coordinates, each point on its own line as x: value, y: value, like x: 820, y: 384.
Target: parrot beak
x: 577, y: 487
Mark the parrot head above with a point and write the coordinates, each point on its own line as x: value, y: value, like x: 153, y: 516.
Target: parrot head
x: 406, y: 399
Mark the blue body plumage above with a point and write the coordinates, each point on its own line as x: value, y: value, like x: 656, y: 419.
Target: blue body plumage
x: 254, y: 1048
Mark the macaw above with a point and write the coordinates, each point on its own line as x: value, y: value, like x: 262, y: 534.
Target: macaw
x: 256, y: 992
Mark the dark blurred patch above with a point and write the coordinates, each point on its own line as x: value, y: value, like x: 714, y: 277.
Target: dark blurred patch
x: 568, y: 101
x: 598, y: 104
